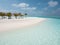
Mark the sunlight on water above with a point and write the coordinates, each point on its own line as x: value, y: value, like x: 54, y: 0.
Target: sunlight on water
x: 45, y: 33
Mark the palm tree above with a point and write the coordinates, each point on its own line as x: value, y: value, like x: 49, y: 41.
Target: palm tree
x: 25, y: 14
x: 9, y: 15
x: 16, y: 15
x: 21, y: 15
x: 2, y: 14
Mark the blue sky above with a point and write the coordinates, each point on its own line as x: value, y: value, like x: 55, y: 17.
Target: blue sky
x: 32, y: 7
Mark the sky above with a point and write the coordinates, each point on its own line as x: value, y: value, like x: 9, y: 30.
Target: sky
x: 32, y: 7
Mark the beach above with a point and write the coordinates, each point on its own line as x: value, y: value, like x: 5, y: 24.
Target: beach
x: 11, y: 24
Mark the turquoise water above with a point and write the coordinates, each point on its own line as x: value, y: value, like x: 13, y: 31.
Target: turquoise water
x: 44, y: 33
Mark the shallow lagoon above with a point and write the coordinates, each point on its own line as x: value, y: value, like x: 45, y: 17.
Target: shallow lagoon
x: 44, y: 33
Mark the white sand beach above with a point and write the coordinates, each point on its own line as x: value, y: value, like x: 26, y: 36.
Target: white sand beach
x: 9, y: 24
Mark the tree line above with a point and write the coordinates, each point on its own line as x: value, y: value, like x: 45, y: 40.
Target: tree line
x: 9, y: 15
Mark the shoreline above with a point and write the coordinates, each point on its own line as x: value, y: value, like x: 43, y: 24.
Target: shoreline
x: 9, y: 24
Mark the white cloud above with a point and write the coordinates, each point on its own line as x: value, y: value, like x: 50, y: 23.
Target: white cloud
x: 29, y: 8
x: 3, y: 10
x: 53, y: 3
x: 24, y: 6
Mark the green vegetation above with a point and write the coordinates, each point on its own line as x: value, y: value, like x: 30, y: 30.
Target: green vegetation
x: 25, y: 14
x: 20, y: 15
x: 16, y: 15
x: 9, y: 15
x: 2, y: 14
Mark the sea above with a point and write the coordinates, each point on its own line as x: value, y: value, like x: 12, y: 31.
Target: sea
x: 43, y: 33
